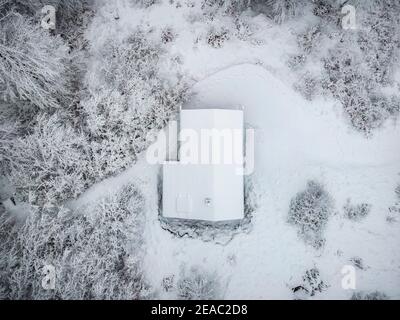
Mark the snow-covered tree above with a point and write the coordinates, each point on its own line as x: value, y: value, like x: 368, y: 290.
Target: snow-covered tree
x: 49, y: 165
x: 33, y: 65
x: 89, y: 249
x: 130, y: 100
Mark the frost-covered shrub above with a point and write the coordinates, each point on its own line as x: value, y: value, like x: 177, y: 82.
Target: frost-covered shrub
x: 251, y: 197
x: 114, y: 142
x: 378, y: 39
x: 394, y: 210
x: 356, y: 212
x: 144, y: 3
x: 308, y: 40
x: 311, y: 284
x: 13, y: 123
x: 168, y: 283
x: 326, y: 9
x: 49, y: 165
x: 90, y: 250
x: 308, y: 85
x: 358, y: 263
x: 167, y: 35
x: 243, y: 29
x: 6, y: 244
x: 296, y: 61
x: 6, y: 189
x: 196, y: 284
x: 397, y: 191
x: 282, y: 10
x: 123, y: 64
x: 73, y: 17
x: 131, y: 101
x: 17, y: 119
x: 309, y: 212
x: 33, y: 64
x: 228, y: 7
x: 375, y: 295
x: 217, y: 37
x: 278, y: 10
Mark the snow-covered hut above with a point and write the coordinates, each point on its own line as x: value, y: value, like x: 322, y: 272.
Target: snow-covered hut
x: 206, y: 181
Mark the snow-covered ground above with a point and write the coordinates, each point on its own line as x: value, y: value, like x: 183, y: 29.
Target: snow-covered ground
x: 296, y: 140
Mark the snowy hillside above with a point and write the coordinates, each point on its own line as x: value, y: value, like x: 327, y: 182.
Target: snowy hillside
x: 78, y: 192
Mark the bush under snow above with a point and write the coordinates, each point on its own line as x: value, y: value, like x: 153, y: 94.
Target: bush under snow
x: 394, y: 211
x: 375, y: 295
x: 311, y: 285
x: 356, y: 212
x: 197, y: 284
x: 309, y: 212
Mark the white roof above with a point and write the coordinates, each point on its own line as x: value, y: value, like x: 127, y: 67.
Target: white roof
x: 206, y: 191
